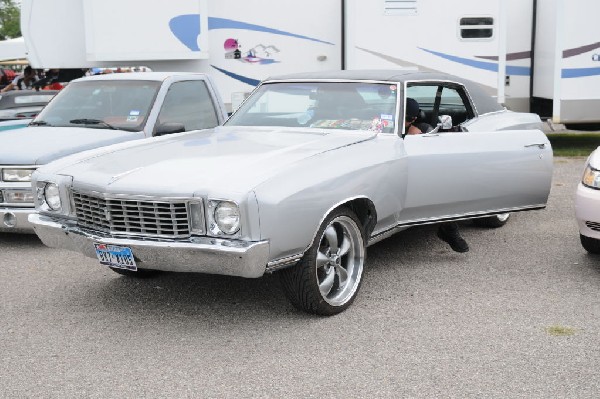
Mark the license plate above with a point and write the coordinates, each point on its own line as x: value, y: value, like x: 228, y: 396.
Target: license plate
x: 115, y: 256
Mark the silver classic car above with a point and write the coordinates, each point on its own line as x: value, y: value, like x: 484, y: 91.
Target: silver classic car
x: 308, y: 172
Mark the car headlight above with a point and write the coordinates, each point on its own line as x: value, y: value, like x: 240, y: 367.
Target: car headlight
x: 17, y: 175
x: 52, y: 196
x: 226, y: 215
x: 591, y: 177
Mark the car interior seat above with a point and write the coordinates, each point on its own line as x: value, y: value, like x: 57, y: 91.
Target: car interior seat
x: 421, y: 122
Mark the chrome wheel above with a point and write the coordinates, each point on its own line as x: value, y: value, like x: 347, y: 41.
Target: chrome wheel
x: 340, y: 260
x: 328, y: 277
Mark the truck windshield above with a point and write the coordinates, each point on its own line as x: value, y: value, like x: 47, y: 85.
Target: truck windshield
x: 322, y: 105
x: 118, y: 104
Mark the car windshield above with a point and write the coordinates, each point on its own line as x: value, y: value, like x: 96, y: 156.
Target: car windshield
x: 322, y: 105
x: 118, y: 104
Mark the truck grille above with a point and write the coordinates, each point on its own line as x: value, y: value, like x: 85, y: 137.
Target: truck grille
x: 132, y: 217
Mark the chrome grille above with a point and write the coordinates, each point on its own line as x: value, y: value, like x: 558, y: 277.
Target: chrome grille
x: 593, y: 225
x: 132, y: 217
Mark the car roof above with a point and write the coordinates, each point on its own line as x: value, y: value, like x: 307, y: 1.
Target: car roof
x: 484, y: 102
x: 154, y: 76
x: 17, y: 93
x: 387, y: 75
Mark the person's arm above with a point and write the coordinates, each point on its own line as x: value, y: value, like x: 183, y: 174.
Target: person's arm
x: 413, y: 130
x: 8, y: 87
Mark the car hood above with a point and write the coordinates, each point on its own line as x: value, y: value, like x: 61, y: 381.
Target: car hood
x: 40, y: 145
x: 221, y: 160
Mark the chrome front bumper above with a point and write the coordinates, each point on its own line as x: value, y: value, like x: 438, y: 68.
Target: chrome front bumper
x: 198, y: 254
x: 15, y: 220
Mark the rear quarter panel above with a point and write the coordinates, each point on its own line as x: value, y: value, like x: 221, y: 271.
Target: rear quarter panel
x: 503, y: 120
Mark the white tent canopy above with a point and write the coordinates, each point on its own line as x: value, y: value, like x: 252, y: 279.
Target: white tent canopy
x: 12, y: 49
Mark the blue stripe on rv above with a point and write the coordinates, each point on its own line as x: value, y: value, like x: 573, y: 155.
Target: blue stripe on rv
x: 567, y: 73
x: 243, y: 79
x: 186, y: 28
x: 222, y: 23
x: 488, y: 66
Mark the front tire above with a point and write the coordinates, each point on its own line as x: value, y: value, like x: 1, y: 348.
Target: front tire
x: 493, y: 221
x: 327, y: 279
x: 592, y: 245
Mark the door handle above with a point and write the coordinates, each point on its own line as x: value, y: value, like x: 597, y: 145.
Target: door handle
x: 541, y: 146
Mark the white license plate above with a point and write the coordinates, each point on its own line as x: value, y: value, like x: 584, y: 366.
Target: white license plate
x: 115, y: 256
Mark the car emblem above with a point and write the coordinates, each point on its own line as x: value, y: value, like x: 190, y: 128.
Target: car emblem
x: 120, y: 175
x: 107, y: 214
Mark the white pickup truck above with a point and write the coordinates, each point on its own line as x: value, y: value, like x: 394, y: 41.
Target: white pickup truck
x: 97, y: 111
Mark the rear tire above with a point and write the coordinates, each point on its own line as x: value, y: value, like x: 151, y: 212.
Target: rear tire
x: 592, y: 245
x: 140, y: 273
x: 327, y: 279
x: 493, y: 221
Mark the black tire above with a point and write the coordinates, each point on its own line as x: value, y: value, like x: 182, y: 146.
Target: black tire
x: 140, y: 273
x: 327, y: 279
x: 493, y: 221
x: 590, y: 244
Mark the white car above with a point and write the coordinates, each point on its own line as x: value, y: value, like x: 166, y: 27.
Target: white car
x: 587, y: 204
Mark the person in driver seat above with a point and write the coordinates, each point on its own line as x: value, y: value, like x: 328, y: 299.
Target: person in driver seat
x: 412, y: 113
x: 448, y: 231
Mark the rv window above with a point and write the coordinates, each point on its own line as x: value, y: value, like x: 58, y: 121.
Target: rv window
x: 475, y: 28
x: 477, y: 21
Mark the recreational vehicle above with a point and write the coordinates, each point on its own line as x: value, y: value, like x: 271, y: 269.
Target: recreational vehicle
x: 533, y: 55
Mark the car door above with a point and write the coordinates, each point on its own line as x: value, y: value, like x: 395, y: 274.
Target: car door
x: 457, y: 173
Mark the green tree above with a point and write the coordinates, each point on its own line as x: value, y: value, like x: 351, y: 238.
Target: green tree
x: 10, y: 20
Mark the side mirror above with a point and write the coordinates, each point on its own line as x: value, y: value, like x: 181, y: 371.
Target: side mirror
x: 445, y: 122
x: 169, y: 128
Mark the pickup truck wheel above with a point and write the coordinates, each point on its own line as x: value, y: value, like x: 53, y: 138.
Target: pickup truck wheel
x: 492, y: 221
x: 327, y: 279
x: 590, y: 244
x: 140, y: 273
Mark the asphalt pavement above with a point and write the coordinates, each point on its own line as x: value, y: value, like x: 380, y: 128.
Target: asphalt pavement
x: 516, y: 317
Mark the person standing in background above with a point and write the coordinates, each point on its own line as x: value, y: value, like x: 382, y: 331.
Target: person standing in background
x: 23, y: 81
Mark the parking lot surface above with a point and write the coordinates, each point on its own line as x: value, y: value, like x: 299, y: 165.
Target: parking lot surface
x: 517, y: 316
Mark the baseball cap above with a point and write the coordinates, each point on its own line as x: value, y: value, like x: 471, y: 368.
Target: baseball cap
x: 412, y: 108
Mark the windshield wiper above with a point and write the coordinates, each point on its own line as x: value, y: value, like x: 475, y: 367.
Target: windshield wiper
x: 85, y: 121
x: 39, y: 123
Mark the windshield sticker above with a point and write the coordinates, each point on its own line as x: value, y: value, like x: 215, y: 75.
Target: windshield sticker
x: 134, y: 112
x: 132, y: 118
x: 387, y: 117
x: 377, y: 125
